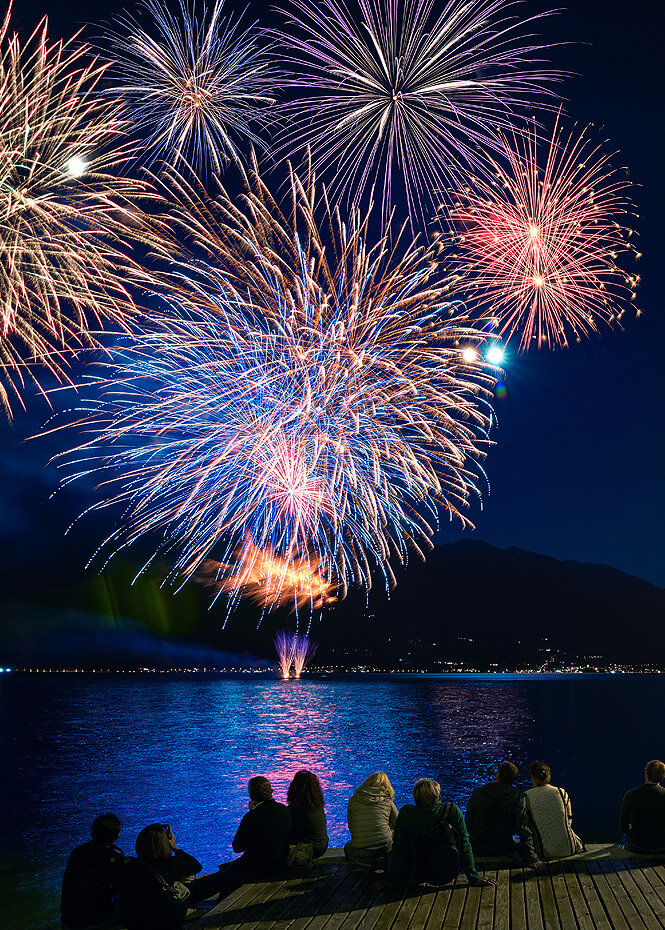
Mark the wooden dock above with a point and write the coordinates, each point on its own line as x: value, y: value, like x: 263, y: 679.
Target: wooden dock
x: 603, y: 888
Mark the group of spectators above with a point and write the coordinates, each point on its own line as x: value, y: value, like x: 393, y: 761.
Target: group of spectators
x: 429, y: 840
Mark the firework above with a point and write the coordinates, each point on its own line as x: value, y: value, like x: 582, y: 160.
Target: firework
x: 309, y: 410
x: 409, y: 97
x: 544, y: 240
x: 63, y: 210
x: 284, y: 643
x: 198, y: 88
x: 303, y: 650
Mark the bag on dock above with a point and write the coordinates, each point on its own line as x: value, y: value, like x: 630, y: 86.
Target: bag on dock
x: 301, y: 856
x: 437, y: 855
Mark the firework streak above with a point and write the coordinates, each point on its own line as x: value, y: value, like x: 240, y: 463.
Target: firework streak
x: 411, y: 97
x: 64, y: 211
x: 543, y: 240
x: 306, y: 410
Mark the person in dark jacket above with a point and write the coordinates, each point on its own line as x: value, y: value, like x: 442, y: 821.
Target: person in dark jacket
x: 497, y: 812
x: 413, y: 821
x: 91, y: 878
x: 308, y: 816
x: 262, y: 837
x: 642, y: 820
x: 145, y: 903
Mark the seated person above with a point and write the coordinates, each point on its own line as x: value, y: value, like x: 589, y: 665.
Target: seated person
x: 551, y: 816
x: 415, y: 821
x: 495, y: 813
x: 642, y: 819
x: 308, y: 817
x: 371, y: 814
x: 262, y: 837
x: 91, y: 878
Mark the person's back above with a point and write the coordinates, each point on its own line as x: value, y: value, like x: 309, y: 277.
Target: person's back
x: 307, y: 808
x: 495, y: 813
x: 551, y: 816
x: 263, y: 837
x: 371, y: 814
x: 642, y: 818
x: 91, y: 877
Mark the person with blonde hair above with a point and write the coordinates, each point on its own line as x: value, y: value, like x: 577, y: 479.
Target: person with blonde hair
x: 431, y: 843
x: 371, y: 814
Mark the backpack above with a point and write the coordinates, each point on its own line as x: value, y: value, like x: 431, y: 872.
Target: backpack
x: 437, y: 858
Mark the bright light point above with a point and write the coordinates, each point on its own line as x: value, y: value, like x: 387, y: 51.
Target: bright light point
x: 533, y: 231
x: 469, y: 355
x: 538, y: 281
x: 76, y: 166
x: 495, y: 355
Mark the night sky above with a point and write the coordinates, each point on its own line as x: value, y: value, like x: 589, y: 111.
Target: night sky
x: 577, y: 469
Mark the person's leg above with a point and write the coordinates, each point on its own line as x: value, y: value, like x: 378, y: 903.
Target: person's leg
x: 232, y: 876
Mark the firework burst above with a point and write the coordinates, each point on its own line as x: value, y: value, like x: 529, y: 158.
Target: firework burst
x: 63, y: 209
x: 198, y: 88
x: 544, y: 240
x: 409, y: 97
x: 284, y: 648
x: 303, y: 651
x: 309, y: 410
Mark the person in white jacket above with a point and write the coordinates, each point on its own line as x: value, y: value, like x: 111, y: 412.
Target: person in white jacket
x: 551, y: 816
x: 371, y: 814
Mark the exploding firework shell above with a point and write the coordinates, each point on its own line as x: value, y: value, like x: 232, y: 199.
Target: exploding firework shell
x: 307, y: 408
x: 545, y: 243
x: 409, y: 98
x: 65, y: 213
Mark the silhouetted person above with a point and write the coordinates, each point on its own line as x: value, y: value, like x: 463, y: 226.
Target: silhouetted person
x: 420, y: 853
x: 551, y: 816
x: 642, y: 820
x: 262, y: 837
x: 495, y: 813
x: 308, y: 816
x: 91, y: 878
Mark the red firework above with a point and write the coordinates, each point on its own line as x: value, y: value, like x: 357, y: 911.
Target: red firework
x: 543, y: 246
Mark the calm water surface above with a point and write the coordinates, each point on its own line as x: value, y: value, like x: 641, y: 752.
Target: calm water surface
x: 180, y: 750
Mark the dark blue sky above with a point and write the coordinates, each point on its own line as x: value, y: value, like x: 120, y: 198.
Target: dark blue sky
x: 578, y: 466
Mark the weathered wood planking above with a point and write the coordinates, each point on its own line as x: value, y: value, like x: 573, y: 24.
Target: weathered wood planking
x: 602, y: 889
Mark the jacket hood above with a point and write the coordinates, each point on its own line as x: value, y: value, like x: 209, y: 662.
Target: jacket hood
x: 495, y: 791
x: 370, y: 795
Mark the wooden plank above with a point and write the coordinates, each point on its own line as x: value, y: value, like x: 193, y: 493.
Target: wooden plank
x: 437, y: 915
x: 640, y: 892
x: 456, y: 903
x: 564, y: 906
x: 489, y: 904
x: 233, y: 910
x: 632, y: 916
x: 517, y: 899
x: 606, y: 895
x: 311, y: 900
x: 469, y: 917
x: 534, y: 904
x: 577, y: 900
x: 424, y: 909
x: 594, y: 903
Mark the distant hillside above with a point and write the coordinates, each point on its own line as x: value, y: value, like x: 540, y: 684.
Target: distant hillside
x: 468, y: 602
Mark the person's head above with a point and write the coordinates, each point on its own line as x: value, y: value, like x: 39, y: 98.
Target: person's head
x: 153, y: 843
x: 378, y: 780
x: 105, y: 828
x: 654, y: 772
x: 541, y: 773
x: 507, y: 773
x: 426, y: 792
x: 305, y: 791
x: 259, y: 789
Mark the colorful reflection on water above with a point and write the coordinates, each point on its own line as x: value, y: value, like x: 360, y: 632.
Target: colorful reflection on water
x: 181, y: 750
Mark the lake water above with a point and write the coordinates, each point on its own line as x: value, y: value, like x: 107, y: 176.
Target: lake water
x: 180, y: 749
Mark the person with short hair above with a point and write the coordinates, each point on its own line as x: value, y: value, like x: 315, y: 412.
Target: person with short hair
x: 414, y: 821
x: 91, y: 878
x: 642, y: 819
x: 371, y: 815
x: 496, y: 812
x: 308, y: 816
x: 551, y: 816
x: 262, y: 837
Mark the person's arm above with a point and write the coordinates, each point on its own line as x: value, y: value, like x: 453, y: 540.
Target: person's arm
x: 624, y: 816
x: 399, y: 858
x: 184, y: 864
x: 463, y: 844
x: 242, y: 837
x: 392, y: 817
x: 470, y: 815
x: 523, y: 828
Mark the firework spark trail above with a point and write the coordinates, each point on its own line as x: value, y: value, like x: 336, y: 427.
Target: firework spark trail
x: 63, y: 212
x: 543, y: 240
x: 197, y: 88
x: 411, y: 97
x: 303, y: 650
x: 307, y: 403
x: 284, y: 645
